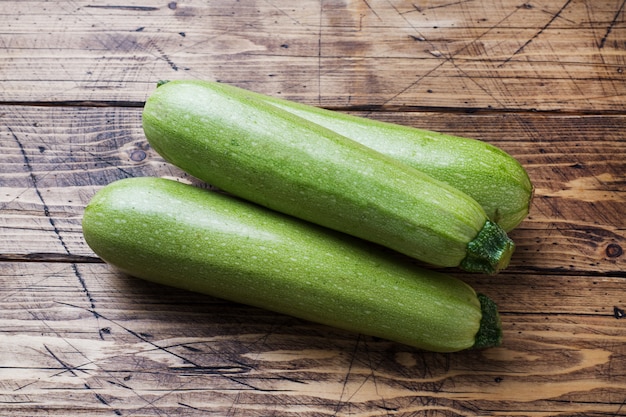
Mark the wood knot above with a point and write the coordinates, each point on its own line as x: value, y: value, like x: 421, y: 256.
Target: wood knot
x: 137, y: 155
x: 613, y: 250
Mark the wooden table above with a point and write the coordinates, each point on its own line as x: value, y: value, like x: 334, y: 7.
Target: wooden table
x: 543, y: 80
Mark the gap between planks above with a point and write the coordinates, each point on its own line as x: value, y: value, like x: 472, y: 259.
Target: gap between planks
x: 374, y: 108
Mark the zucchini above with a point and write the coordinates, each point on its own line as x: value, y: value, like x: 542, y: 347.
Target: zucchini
x: 496, y: 180
x: 213, y: 243
x: 270, y: 156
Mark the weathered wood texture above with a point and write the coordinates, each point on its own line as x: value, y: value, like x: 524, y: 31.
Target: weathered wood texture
x: 543, y: 80
x: 577, y: 165
x: 123, y: 346
x: 545, y: 55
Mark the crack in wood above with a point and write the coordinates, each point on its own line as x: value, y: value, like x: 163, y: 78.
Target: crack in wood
x: 74, y: 103
x: 48, y: 257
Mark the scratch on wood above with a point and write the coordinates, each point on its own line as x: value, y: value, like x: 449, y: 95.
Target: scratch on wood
x: 119, y: 384
x: 538, y: 33
x: 100, y: 159
x: 48, y: 257
x: 33, y: 179
x: 619, y: 410
x: 73, y: 103
x: 46, y: 211
x: 68, y: 368
x: 102, y: 400
x: 473, y: 42
x: 244, y: 369
x: 340, y: 401
x: 72, y: 370
x: 132, y: 8
x: 165, y: 57
x: 611, y: 25
x: 420, y: 9
x: 418, y: 37
x: 447, y: 58
x: 281, y: 11
x: 98, y: 396
x: 447, y: 4
x: 372, y: 10
x: 190, y: 407
x: 211, y: 370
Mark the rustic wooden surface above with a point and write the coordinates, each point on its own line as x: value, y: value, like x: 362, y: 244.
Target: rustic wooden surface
x: 544, y: 80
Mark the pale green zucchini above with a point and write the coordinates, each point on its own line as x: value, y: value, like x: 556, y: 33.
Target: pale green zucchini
x: 270, y: 156
x: 204, y: 241
x: 496, y: 180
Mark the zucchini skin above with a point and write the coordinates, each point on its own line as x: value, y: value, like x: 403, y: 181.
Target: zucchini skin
x: 496, y: 180
x: 204, y: 241
x: 267, y: 155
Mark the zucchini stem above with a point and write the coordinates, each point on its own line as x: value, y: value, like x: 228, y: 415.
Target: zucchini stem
x: 490, y: 251
x: 490, y: 331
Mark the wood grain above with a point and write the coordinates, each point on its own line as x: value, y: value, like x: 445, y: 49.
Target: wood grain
x: 556, y: 56
x: 52, y: 169
x: 87, y: 340
x: 543, y: 80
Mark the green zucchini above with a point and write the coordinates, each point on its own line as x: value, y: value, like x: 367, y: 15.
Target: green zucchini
x: 213, y: 243
x: 272, y: 157
x: 496, y: 180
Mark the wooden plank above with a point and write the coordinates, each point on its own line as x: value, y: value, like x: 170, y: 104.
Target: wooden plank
x: 463, y: 54
x: 542, y: 80
x: 82, y: 339
x: 50, y: 170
